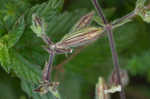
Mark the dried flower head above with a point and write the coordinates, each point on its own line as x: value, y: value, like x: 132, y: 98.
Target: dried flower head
x: 46, y: 86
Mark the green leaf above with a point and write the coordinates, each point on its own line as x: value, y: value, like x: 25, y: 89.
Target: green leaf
x: 4, y: 57
x: 24, y: 69
x: 15, y: 34
x: 71, y: 85
x: 45, y: 10
x: 10, y: 10
x: 8, y: 41
x: 139, y: 65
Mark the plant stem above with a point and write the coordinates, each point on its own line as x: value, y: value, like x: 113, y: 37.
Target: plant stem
x: 128, y: 16
x: 115, y: 59
x: 112, y: 45
x: 46, y: 39
x: 48, y: 68
x: 99, y: 10
x: 46, y: 76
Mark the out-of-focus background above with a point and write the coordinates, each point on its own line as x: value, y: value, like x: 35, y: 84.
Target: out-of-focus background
x: 79, y: 76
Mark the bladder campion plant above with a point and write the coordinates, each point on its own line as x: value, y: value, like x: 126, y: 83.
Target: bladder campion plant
x: 81, y: 34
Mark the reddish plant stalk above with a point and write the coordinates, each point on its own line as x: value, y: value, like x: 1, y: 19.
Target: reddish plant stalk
x: 112, y: 45
x: 48, y: 68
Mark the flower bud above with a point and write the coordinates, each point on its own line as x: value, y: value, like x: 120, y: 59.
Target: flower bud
x: 38, y: 25
x: 80, y: 37
x: 84, y: 21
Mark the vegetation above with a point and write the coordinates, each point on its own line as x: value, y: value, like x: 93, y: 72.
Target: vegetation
x: 26, y: 25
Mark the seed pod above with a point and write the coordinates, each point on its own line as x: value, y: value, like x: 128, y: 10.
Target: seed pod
x: 80, y: 37
x: 84, y: 21
x: 101, y: 87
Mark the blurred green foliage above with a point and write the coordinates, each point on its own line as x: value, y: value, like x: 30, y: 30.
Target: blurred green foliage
x: 22, y: 56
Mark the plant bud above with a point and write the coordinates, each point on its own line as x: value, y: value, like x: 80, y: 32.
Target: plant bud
x: 38, y: 25
x: 101, y: 87
x: 80, y: 37
x: 84, y: 21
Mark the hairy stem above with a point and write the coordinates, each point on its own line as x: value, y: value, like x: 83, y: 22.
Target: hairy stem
x: 112, y: 45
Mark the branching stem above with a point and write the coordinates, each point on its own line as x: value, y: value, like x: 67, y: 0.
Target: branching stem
x: 112, y: 45
x: 48, y: 66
